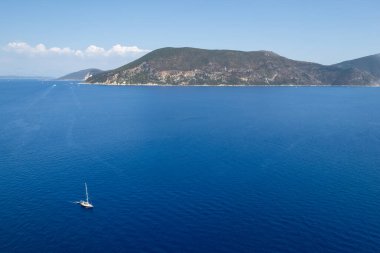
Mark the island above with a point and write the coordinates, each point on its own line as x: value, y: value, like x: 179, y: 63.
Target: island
x: 192, y: 66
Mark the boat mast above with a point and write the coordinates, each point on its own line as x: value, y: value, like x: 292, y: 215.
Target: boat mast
x: 86, y: 192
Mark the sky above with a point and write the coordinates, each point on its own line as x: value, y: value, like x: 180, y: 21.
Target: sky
x: 53, y: 38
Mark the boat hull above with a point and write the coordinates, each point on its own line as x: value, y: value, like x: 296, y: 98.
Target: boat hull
x: 85, y: 204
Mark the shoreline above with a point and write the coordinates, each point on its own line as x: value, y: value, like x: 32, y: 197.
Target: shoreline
x: 226, y: 85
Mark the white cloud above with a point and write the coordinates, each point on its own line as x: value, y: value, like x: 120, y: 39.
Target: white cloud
x: 90, y: 51
x: 123, y: 50
x: 94, y: 50
x: 20, y: 47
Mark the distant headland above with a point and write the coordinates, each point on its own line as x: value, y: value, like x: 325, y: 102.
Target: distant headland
x: 80, y: 75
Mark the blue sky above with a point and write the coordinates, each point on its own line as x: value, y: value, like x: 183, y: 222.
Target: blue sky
x: 321, y: 31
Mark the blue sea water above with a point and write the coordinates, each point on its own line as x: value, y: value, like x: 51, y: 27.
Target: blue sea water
x: 189, y: 169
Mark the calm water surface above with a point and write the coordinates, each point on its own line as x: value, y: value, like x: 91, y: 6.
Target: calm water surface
x: 189, y: 169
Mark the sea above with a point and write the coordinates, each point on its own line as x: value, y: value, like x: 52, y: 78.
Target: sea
x: 188, y: 169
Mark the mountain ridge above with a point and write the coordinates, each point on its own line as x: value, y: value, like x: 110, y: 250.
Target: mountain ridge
x: 370, y: 64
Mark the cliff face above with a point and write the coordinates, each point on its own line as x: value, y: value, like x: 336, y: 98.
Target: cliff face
x: 190, y: 66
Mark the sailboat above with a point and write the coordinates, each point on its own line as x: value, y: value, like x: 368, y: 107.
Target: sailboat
x: 86, y: 204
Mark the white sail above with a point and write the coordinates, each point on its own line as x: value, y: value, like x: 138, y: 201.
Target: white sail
x: 86, y: 203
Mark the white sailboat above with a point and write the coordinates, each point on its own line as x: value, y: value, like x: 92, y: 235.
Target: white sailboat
x: 86, y: 203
